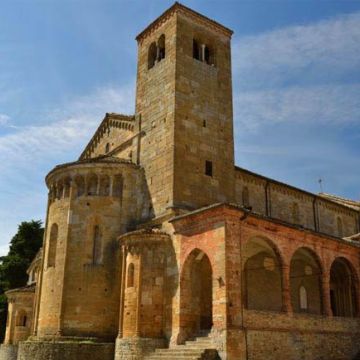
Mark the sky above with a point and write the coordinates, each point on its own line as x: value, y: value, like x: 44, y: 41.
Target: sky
x: 64, y: 64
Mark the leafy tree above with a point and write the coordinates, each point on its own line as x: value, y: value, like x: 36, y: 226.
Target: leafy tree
x: 23, y: 248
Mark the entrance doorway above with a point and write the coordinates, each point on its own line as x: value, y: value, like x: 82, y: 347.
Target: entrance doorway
x: 196, y: 294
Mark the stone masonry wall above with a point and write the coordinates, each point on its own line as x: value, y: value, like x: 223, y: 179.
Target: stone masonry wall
x: 294, y: 206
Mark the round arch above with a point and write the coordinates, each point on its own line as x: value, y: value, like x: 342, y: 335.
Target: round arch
x: 262, y: 275
x: 343, y: 288
x: 306, y: 282
x: 196, y: 294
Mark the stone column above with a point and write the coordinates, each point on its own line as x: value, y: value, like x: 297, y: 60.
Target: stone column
x: 286, y: 295
x: 325, y: 294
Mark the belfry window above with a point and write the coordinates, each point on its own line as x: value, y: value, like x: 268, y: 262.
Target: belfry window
x: 203, y: 52
x: 196, y: 50
x: 161, y: 48
x: 152, y: 55
x: 156, y: 51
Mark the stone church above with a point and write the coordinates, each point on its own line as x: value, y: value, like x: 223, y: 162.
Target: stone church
x: 157, y: 246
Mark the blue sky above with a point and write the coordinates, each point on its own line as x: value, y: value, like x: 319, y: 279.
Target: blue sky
x: 296, y: 80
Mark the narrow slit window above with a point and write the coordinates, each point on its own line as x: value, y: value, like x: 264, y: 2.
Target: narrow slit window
x: 208, y: 168
x: 130, y: 275
x: 97, y: 246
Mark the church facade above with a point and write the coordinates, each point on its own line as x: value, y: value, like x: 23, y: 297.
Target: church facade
x: 157, y: 246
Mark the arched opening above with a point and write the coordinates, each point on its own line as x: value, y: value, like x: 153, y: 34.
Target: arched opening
x: 342, y: 289
x: 152, y: 55
x: 52, y: 245
x: 161, y: 47
x: 92, y: 185
x: 196, y: 50
x: 130, y: 275
x: 117, y: 186
x: 59, y: 190
x: 196, y: 294
x: 80, y: 186
x: 21, y: 318
x: 105, y: 185
x: 262, y: 284
x: 305, y: 282
x: 97, y: 245
x: 67, y: 184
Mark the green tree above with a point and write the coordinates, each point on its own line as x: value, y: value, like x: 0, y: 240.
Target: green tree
x: 23, y: 248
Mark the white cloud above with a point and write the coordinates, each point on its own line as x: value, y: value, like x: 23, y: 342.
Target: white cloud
x: 67, y: 127
x: 332, y: 44
x: 324, y: 104
x: 4, y: 119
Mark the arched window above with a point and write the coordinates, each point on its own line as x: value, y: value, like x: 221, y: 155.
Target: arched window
x: 130, y: 275
x: 97, y: 245
x: 339, y: 227
x: 92, y: 185
x: 67, y: 188
x: 21, y: 318
x: 196, y: 50
x: 80, y: 186
x: 303, y: 300
x: 117, y: 186
x: 246, y: 196
x: 105, y: 185
x: 161, y: 47
x: 52, y: 246
x: 107, y: 148
x: 152, y: 55
x: 295, y: 213
x: 60, y: 190
x: 207, y: 55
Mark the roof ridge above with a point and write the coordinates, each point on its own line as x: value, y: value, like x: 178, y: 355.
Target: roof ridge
x: 180, y: 7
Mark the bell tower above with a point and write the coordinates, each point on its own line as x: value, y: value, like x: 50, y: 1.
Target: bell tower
x: 184, y: 110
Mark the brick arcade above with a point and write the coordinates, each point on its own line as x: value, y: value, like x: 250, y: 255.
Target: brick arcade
x: 156, y: 245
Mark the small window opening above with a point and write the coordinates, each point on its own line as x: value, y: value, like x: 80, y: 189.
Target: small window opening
x: 208, y: 168
x: 97, y: 246
x: 204, y: 123
x: 130, y: 275
x: 161, y: 48
x: 207, y: 55
x: 196, y: 50
x: 107, y: 148
x: 152, y: 55
x: 295, y: 213
x: 246, y: 197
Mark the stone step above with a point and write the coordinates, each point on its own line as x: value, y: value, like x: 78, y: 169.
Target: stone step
x: 196, y: 349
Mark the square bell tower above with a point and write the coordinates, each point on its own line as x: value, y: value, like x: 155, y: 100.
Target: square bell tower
x: 184, y: 110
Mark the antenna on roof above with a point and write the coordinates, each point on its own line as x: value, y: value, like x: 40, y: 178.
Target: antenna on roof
x: 320, y: 181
